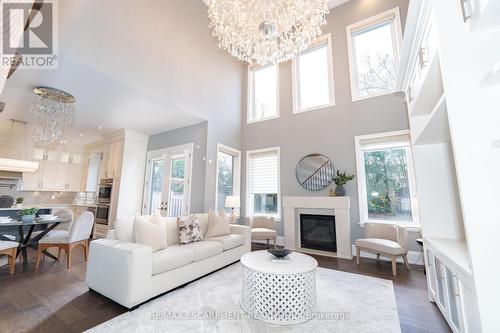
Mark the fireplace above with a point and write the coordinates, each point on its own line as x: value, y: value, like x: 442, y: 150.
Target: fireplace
x: 318, y: 232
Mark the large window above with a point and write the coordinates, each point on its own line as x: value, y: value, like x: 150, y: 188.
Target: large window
x: 373, y: 46
x: 228, y: 175
x: 385, y: 179
x: 262, y: 93
x: 263, y: 185
x: 313, y: 76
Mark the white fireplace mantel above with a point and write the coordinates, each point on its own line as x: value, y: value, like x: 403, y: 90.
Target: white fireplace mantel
x: 340, y: 207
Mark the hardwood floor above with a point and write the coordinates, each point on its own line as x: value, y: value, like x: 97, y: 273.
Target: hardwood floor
x: 57, y: 300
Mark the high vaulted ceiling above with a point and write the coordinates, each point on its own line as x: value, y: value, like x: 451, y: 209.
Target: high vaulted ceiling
x: 130, y: 64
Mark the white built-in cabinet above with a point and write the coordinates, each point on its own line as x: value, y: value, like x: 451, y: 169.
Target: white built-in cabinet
x: 450, y: 51
x: 58, y: 171
x: 112, y: 159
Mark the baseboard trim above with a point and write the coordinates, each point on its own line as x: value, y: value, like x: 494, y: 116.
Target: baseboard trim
x: 414, y: 257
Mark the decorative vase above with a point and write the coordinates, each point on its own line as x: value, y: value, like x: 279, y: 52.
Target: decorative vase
x: 340, y: 191
x: 28, y: 218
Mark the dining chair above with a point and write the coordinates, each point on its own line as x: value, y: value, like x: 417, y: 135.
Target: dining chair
x: 61, y: 230
x: 263, y: 228
x: 78, y: 234
x: 9, y: 249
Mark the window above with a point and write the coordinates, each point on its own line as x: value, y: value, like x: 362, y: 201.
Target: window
x: 262, y: 93
x: 263, y: 184
x: 386, y: 184
x: 373, y: 46
x: 228, y: 175
x: 313, y: 77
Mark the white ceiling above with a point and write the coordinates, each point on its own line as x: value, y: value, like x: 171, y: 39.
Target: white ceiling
x: 130, y: 66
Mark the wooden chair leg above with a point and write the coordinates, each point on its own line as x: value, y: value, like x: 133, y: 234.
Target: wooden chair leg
x: 405, y: 258
x: 58, y: 253
x: 378, y: 256
x: 394, y: 271
x: 12, y: 260
x: 68, y: 256
x: 39, y: 255
x: 85, y: 249
x: 358, y: 253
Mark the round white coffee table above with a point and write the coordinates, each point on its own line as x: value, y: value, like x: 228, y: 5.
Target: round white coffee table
x: 279, y: 291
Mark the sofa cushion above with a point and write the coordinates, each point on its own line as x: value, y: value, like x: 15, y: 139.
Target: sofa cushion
x: 263, y: 232
x: 229, y: 241
x: 172, y: 257
x: 205, y: 249
x: 217, y: 225
x: 380, y: 245
x: 189, y: 229
x: 172, y: 233
x: 150, y: 232
x: 124, y: 229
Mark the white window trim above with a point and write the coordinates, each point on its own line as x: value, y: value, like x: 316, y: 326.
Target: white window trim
x: 360, y: 167
x: 250, y: 89
x: 249, y: 204
x: 296, y: 79
x: 236, y: 171
x: 397, y: 41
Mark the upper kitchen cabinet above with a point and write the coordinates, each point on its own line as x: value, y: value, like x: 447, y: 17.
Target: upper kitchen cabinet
x: 113, y: 156
x: 58, y: 171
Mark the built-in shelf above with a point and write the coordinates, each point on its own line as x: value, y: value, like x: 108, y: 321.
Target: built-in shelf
x: 454, y: 250
x: 430, y: 90
x: 493, y: 76
x: 485, y: 16
x: 435, y: 128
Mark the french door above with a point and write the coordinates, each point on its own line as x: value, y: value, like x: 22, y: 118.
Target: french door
x: 168, y: 181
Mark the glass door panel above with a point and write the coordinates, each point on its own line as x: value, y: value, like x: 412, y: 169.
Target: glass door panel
x: 156, y: 186
x: 225, y: 179
x: 177, y: 179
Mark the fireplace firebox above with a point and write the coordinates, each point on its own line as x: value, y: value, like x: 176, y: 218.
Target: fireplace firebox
x: 317, y: 232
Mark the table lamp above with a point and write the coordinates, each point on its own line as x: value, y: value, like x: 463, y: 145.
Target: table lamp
x: 232, y: 202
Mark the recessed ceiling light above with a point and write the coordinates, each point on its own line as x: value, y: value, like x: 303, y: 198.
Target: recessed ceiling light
x: 99, y: 128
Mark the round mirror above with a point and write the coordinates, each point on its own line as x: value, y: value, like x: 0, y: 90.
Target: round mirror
x: 315, y: 172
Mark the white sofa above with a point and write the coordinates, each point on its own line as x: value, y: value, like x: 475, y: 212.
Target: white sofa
x: 130, y: 273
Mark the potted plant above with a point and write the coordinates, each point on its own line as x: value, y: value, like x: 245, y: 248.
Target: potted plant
x: 19, y: 202
x: 340, y: 180
x: 28, y: 214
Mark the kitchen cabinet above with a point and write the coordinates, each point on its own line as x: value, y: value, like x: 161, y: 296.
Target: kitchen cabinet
x: 58, y: 171
x: 113, y: 155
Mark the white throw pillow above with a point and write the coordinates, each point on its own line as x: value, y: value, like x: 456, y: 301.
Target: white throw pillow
x: 217, y: 225
x: 222, y: 213
x: 124, y: 229
x: 150, y: 233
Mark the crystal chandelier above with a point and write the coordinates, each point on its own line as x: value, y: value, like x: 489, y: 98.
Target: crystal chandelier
x: 53, y: 111
x: 266, y: 31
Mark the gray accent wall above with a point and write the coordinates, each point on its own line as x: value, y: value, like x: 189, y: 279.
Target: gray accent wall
x: 196, y: 134
x: 329, y: 131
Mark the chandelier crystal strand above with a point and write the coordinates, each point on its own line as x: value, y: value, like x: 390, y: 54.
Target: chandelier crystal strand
x: 53, y: 112
x: 266, y: 31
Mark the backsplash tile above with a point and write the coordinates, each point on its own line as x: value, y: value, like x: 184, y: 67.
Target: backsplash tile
x: 37, y: 198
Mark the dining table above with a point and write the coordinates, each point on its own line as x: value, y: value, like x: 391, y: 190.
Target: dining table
x: 25, y: 231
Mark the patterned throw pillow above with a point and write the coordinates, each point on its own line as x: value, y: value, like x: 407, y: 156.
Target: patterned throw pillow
x: 189, y: 229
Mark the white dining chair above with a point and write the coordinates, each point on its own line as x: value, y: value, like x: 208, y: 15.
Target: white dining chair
x: 78, y: 234
x: 8, y: 249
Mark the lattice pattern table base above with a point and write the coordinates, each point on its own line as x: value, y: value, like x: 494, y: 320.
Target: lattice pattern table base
x: 279, y: 299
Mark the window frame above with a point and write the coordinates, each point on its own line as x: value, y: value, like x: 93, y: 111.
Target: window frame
x: 236, y: 171
x: 384, y: 139
x: 397, y: 40
x: 250, y: 89
x: 296, y: 75
x: 248, y: 195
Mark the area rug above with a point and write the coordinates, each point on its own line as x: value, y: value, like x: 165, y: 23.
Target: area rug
x: 346, y: 303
